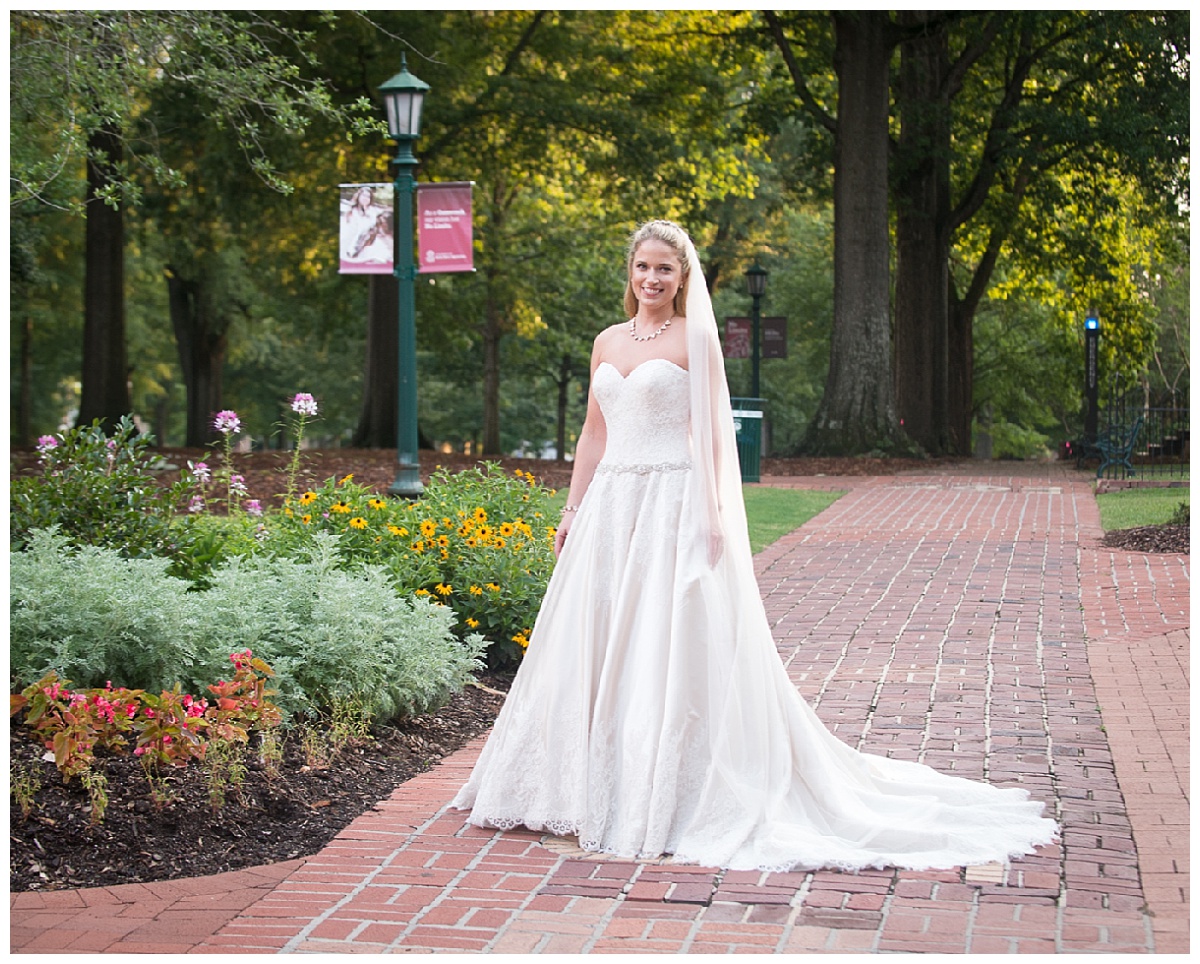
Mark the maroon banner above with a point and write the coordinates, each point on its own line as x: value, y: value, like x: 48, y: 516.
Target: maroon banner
x: 366, y: 235
x: 444, y: 227
x: 739, y: 337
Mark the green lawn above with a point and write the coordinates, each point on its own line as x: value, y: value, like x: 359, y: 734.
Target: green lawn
x: 771, y: 513
x: 1131, y: 508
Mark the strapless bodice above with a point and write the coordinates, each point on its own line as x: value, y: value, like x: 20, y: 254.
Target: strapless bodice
x: 645, y: 414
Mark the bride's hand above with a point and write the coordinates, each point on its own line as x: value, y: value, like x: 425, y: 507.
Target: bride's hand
x: 716, y: 546
x: 560, y: 534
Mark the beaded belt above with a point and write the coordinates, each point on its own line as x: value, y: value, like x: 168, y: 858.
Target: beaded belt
x: 643, y: 468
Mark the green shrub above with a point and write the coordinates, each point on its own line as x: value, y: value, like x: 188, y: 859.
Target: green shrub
x: 94, y: 616
x: 480, y: 541
x: 99, y: 490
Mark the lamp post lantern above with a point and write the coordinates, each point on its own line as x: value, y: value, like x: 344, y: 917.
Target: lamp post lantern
x: 1091, y: 332
x: 404, y: 96
x: 756, y: 285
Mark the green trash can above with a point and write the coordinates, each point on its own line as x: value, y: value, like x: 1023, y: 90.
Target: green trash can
x: 748, y: 425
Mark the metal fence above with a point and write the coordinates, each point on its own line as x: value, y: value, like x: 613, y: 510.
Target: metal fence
x: 1162, y: 445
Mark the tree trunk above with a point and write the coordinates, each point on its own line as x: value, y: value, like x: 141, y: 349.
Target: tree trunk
x: 857, y: 413
x: 377, y: 425
x: 560, y: 424
x: 493, y: 328
x: 24, y: 434
x: 201, y: 342
x: 104, y: 393
x: 922, y: 191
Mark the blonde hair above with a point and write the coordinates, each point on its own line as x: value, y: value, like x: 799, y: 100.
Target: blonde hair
x: 676, y: 238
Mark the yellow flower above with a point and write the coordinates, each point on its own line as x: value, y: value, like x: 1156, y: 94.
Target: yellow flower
x: 522, y: 640
x: 397, y: 530
x: 494, y: 587
x: 428, y: 528
x: 348, y: 478
x: 443, y: 541
x: 447, y: 523
x: 421, y: 592
x: 472, y: 622
x: 418, y: 547
x: 288, y: 512
x: 377, y: 503
x: 445, y: 553
x: 472, y: 542
x: 475, y: 591
x: 481, y: 515
x: 444, y: 589
x: 506, y: 529
x: 306, y: 519
x: 340, y: 507
x: 485, y: 533
x: 358, y: 522
x: 308, y: 498
x: 499, y: 543
x: 524, y: 528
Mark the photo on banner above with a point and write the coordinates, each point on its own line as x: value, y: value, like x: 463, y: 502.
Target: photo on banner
x: 366, y: 235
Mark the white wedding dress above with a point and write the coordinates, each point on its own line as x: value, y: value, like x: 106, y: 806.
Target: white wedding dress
x: 645, y: 722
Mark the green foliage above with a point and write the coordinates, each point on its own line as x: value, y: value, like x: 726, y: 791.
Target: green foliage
x: 1136, y: 507
x: 99, y: 490
x: 478, y: 541
x: 95, y: 616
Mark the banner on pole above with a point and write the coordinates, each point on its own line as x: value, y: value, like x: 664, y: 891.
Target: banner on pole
x: 739, y: 337
x: 444, y: 227
x: 366, y: 234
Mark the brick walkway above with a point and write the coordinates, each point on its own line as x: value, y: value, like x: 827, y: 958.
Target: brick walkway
x: 970, y: 622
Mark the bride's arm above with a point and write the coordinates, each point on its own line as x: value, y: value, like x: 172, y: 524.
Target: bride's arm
x: 588, y: 452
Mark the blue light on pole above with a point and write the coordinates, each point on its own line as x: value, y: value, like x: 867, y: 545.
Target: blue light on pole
x: 1091, y: 334
x: 404, y: 96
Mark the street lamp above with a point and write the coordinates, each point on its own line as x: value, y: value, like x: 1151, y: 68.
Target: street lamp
x: 756, y: 285
x: 1091, y: 334
x: 404, y: 95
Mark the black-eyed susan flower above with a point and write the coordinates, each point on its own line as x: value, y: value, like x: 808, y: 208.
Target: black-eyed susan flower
x: 348, y: 478
x: 428, y: 528
x: 308, y: 498
x: 472, y: 622
x: 377, y: 504
x: 444, y: 589
x: 481, y: 514
x: 475, y: 591
x: 494, y: 587
x: 421, y: 592
x: 306, y: 519
x: 358, y: 522
x: 507, y: 529
x: 397, y: 530
x: 341, y: 507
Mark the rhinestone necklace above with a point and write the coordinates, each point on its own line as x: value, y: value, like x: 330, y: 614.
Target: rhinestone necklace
x: 654, y: 334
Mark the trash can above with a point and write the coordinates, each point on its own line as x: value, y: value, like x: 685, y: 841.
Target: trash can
x: 748, y: 425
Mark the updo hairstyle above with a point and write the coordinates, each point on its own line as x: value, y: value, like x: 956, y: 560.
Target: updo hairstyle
x: 671, y: 234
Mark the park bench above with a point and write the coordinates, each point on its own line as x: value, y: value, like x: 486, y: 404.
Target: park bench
x: 1116, y: 446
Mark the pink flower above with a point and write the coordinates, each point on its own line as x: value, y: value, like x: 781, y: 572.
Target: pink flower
x: 200, y: 471
x: 304, y: 404
x: 197, y: 504
x: 253, y: 507
x: 237, y: 483
x: 227, y: 422
x: 46, y: 443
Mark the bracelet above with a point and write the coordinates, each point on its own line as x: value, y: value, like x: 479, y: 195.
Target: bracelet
x: 570, y: 508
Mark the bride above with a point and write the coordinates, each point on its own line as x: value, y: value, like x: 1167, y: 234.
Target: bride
x: 651, y: 714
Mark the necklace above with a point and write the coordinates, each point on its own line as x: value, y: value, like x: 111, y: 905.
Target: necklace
x: 654, y: 334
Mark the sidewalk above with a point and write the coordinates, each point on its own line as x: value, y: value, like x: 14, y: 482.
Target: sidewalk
x: 971, y: 622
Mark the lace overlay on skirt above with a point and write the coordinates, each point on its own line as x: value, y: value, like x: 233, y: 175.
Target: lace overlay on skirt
x: 645, y: 723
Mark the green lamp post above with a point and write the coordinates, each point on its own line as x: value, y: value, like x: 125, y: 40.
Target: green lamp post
x: 404, y: 95
x: 756, y: 286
